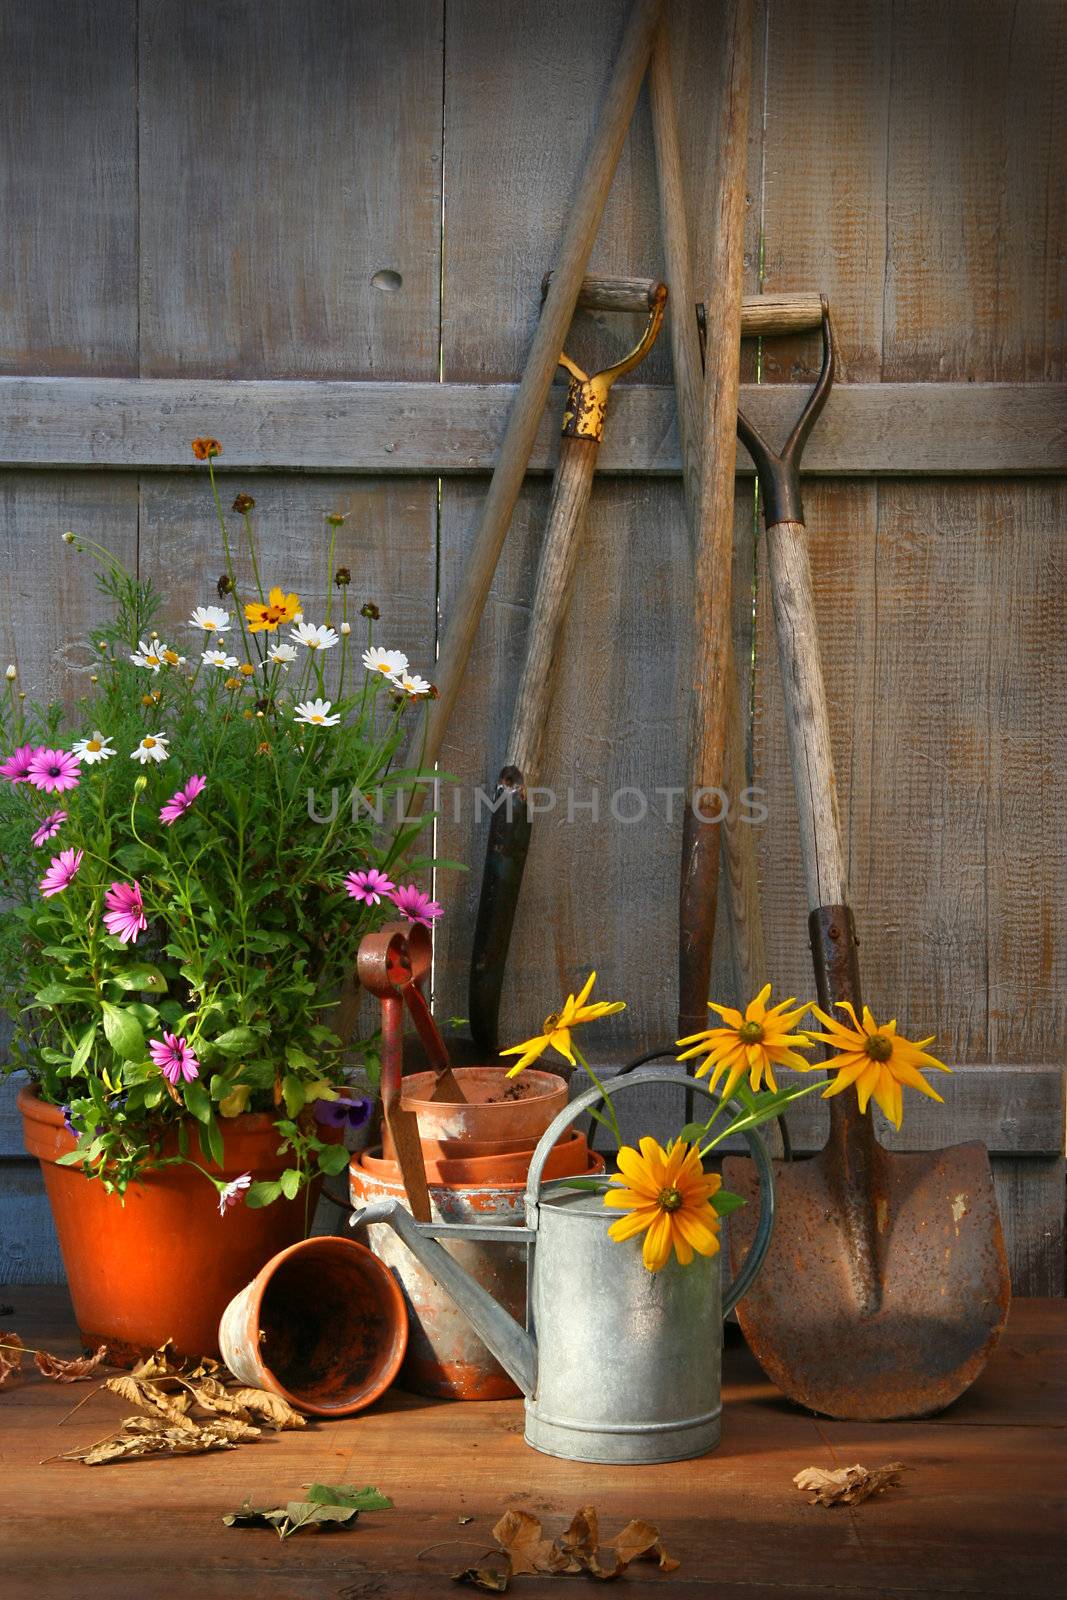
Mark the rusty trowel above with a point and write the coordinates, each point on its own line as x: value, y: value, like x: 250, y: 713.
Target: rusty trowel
x: 392, y: 963
x: 886, y: 1286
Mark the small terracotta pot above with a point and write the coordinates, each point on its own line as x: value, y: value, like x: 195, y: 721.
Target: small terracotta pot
x: 163, y: 1264
x: 324, y: 1325
x: 446, y: 1358
x: 497, y: 1109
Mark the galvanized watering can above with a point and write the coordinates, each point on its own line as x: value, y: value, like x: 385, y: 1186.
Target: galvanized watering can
x: 617, y: 1364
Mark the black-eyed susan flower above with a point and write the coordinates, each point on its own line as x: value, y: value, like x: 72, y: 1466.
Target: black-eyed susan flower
x: 557, y: 1030
x: 267, y: 617
x: 668, y: 1196
x: 754, y: 1044
x: 876, y: 1059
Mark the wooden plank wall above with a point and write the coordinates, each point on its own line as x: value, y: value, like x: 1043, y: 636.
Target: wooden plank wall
x: 213, y: 192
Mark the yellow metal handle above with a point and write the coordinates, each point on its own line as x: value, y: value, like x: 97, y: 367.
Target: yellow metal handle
x: 587, y: 397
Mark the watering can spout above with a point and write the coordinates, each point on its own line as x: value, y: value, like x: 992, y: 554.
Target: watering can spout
x: 511, y: 1345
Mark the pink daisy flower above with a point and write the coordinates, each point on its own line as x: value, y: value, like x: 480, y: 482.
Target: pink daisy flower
x: 125, y: 914
x: 16, y: 769
x: 179, y: 803
x: 231, y: 1194
x: 174, y: 1058
x: 48, y: 829
x: 54, y: 770
x: 62, y: 869
x: 369, y: 886
x: 416, y: 906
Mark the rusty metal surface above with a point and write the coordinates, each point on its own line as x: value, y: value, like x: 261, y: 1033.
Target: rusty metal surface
x: 941, y: 1281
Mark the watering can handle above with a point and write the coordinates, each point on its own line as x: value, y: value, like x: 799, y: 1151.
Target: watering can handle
x: 632, y: 1080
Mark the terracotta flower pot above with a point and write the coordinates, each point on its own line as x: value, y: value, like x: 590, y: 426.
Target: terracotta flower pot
x: 324, y: 1325
x: 445, y: 1357
x: 163, y: 1264
x: 569, y: 1159
x: 498, y: 1110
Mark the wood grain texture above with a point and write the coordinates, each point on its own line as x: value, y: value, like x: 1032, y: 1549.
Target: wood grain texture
x: 68, y: 190
x: 980, y: 1514
x: 289, y: 155
x: 897, y: 430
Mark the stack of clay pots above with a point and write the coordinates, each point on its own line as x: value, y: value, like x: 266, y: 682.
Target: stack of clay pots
x: 477, y: 1157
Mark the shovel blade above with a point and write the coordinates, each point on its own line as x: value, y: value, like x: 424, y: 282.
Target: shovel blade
x: 447, y: 1089
x: 942, y: 1274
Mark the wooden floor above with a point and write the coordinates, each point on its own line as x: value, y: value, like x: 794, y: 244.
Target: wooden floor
x: 982, y: 1514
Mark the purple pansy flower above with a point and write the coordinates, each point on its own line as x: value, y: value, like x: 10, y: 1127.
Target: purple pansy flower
x: 343, y: 1113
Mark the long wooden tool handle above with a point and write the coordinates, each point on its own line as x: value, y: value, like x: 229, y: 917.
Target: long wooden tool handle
x: 566, y: 515
x: 715, y: 526
x: 807, y: 718
x: 739, y: 838
x: 528, y: 407
x: 509, y: 829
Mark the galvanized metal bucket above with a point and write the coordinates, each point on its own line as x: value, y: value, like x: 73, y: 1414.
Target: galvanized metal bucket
x: 617, y: 1364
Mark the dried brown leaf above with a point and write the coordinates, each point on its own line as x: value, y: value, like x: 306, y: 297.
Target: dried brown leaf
x: 160, y: 1364
x: 152, y: 1397
x: 519, y: 1535
x: 270, y: 1409
x: 849, y: 1486
x: 490, y: 1579
x: 73, y: 1371
x: 578, y: 1549
x: 151, y: 1436
x: 10, y: 1359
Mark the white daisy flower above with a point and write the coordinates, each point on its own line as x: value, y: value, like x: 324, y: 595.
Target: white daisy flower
x: 148, y: 655
x: 213, y: 619
x: 284, y: 654
x: 93, y: 750
x: 218, y: 658
x: 411, y: 684
x: 172, y: 658
x: 316, y: 712
x: 346, y: 629
x: 153, y: 747
x: 316, y: 638
x: 388, y: 662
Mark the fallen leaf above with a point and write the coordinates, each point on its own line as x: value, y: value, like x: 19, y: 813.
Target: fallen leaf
x: 849, y: 1486
x: 151, y: 1436
x: 72, y: 1371
x: 271, y: 1409
x: 10, y: 1358
x: 579, y: 1548
x: 152, y: 1397
x: 326, y: 1504
x: 492, y: 1580
x: 519, y: 1535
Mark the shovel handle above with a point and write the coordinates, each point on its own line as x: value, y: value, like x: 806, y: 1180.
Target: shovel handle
x: 599, y: 292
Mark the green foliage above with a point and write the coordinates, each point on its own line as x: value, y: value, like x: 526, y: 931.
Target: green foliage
x: 250, y: 934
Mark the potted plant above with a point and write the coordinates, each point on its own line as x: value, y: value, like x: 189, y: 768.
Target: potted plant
x: 180, y: 923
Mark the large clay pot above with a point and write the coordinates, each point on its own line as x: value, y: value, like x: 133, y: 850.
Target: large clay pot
x: 323, y: 1324
x: 445, y: 1357
x: 497, y: 1112
x: 161, y: 1264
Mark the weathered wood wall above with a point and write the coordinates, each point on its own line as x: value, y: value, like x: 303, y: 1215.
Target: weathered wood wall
x: 208, y: 193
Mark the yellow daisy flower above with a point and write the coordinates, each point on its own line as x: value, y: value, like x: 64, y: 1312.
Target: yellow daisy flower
x: 754, y: 1043
x: 279, y: 608
x: 558, y: 1028
x: 668, y: 1196
x: 877, y: 1060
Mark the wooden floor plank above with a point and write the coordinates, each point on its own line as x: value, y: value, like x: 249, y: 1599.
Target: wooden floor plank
x: 981, y: 1514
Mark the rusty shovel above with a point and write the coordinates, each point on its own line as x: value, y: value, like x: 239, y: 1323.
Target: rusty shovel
x: 886, y: 1286
x: 510, y: 828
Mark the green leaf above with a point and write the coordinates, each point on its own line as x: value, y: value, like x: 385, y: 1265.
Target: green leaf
x: 592, y: 1185
x: 300, y: 1060
x: 290, y: 1181
x: 234, y: 1041
x: 724, y: 1202
x: 53, y: 994
x: 333, y: 1158
x: 141, y: 977
x: 84, y: 1046
x: 262, y: 1194
x: 211, y: 1141
x: 152, y: 1096
x: 693, y: 1132
x: 346, y: 1494
x: 197, y: 1100
x: 293, y: 1091
x: 73, y: 1158
x: 123, y: 1032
